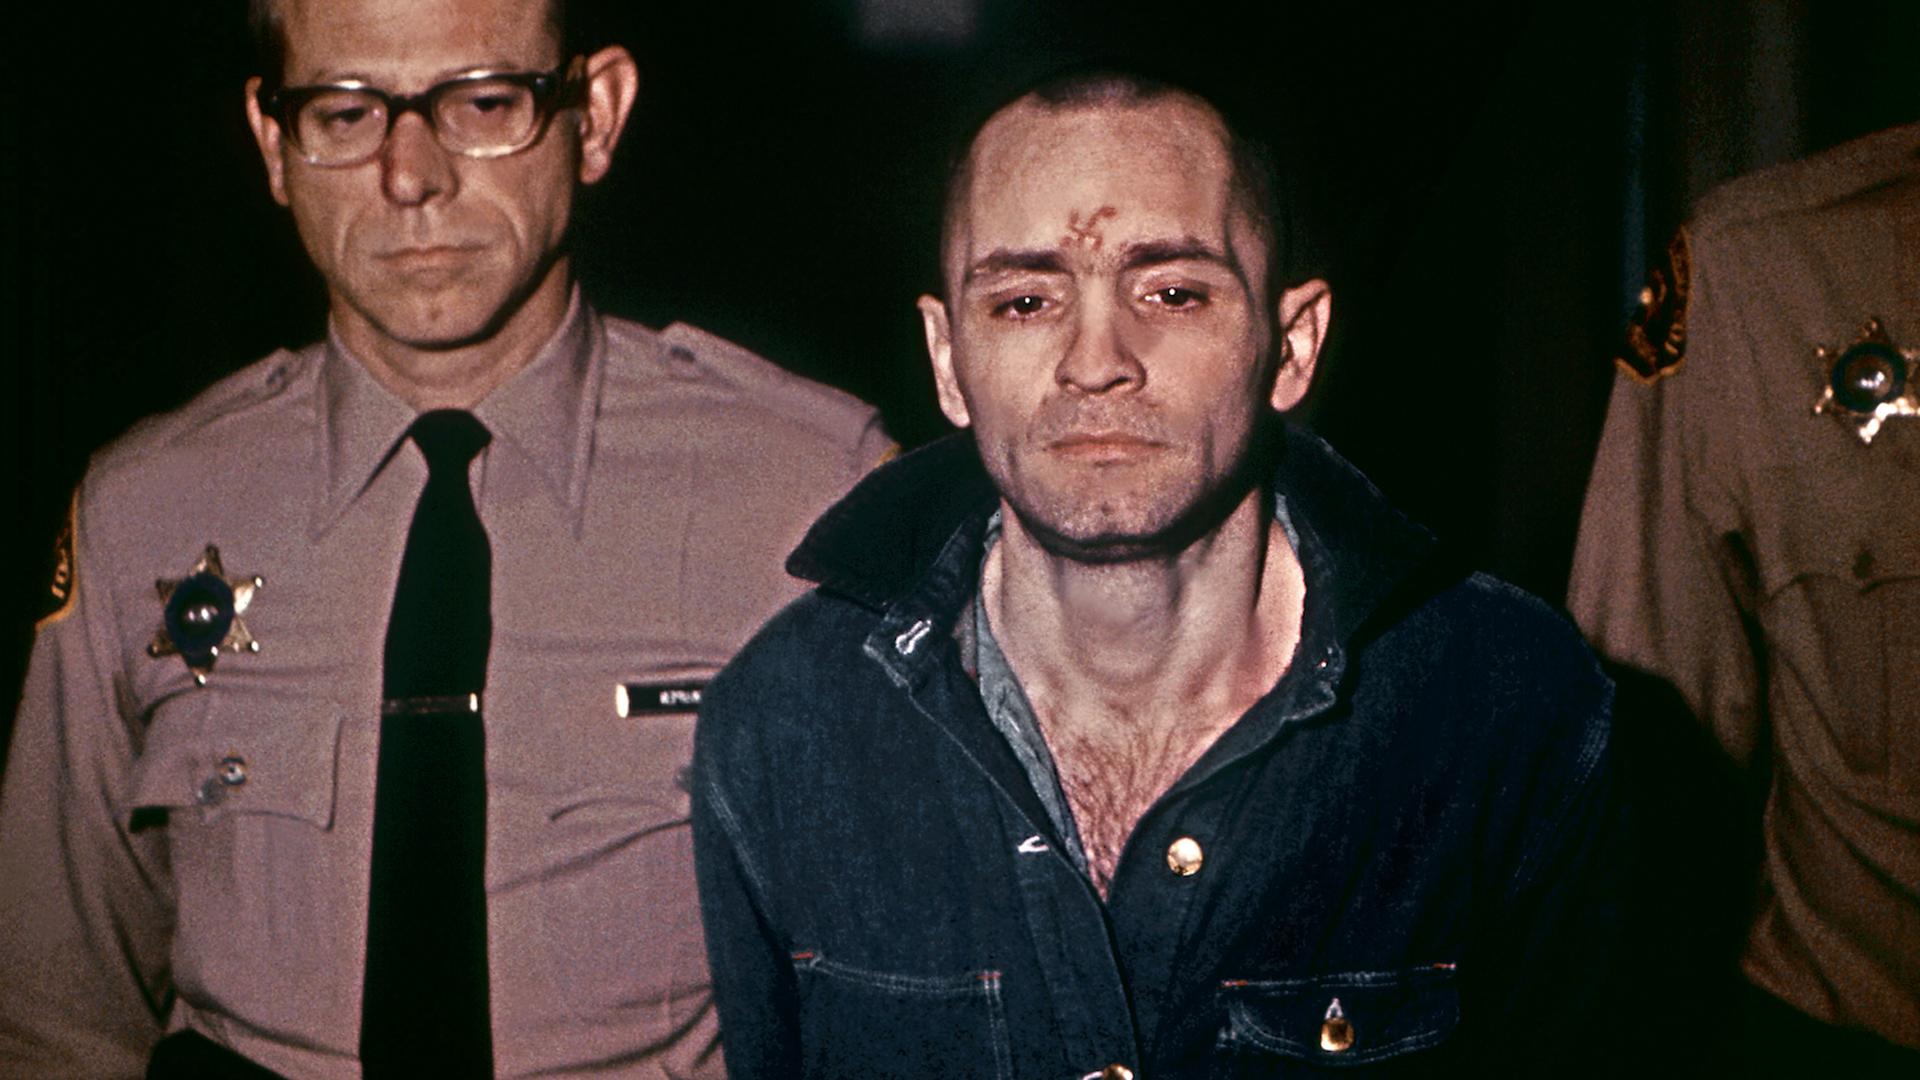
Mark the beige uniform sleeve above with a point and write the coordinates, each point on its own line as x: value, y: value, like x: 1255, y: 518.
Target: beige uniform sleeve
x: 1663, y: 579
x: 85, y: 910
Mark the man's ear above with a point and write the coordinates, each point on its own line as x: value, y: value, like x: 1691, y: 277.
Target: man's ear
x: 266, y: 135
x: 1305, y: 311
x: 613, y: 83
x: 933, y: 314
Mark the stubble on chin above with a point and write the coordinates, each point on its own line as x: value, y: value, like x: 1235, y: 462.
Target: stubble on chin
x: 1148, y: 509
x: 1098, y: 514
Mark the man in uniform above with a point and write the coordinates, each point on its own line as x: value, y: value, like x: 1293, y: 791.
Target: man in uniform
x: 1752, y: 536
x: 386, y: 777
x: 1132, y: 732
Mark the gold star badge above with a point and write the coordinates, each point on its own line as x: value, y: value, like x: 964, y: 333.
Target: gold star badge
x: 200, y: 615
x: 1868, y: 382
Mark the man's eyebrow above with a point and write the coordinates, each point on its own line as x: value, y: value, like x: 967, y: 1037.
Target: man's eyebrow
x: 1003, y: 260
x: 359, y: 75
x: 1154, y: 252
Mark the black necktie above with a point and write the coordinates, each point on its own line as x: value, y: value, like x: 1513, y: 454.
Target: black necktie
x: 425, y: 1009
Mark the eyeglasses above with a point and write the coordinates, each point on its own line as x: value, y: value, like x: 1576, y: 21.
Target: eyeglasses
x: 482, y: 114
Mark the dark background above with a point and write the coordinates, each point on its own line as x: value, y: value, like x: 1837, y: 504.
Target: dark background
x: 1491, y: 177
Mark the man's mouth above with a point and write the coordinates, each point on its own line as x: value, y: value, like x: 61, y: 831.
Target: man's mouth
x: 1103, y: 447
x: 427, y: 258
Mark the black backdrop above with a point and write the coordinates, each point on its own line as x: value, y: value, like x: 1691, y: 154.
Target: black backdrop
x: 1490, y: 175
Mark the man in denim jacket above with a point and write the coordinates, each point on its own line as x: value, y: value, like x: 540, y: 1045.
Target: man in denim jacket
x: 1135, y: 734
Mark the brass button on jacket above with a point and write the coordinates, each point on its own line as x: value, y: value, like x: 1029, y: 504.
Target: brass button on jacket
x: 1336, y: 1035
x: 1184, y: 857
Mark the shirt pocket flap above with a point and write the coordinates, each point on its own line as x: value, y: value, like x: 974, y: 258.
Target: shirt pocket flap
x: 224, y: 753
x: 1861, y: 550
x: 1345, y: 1019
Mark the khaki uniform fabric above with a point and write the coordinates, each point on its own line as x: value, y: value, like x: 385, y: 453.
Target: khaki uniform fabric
x: 1766, y: 562
x: 641, y: 493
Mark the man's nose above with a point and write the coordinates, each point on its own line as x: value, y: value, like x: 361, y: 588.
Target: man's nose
x: 414, y: 167
x: 1099, y: 359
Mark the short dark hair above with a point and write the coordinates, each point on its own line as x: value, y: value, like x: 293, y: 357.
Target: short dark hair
x: 269, y: 39
x: 575, y: 20
x: 1257, y: 180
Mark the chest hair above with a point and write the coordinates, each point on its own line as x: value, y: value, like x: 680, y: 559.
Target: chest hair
x: 1112, y: 776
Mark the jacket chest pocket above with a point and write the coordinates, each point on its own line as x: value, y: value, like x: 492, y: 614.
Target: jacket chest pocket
x: 856, y: 1022
x: 1300, y: 1026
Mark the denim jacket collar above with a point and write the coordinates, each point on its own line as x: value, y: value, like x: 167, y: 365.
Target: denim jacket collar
x: 907, y: 543
x: 912, y: 530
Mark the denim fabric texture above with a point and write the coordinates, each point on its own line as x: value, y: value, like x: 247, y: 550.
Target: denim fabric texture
x: 1411, y: 844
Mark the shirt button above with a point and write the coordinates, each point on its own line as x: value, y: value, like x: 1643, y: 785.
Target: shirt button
x: 1184, y: 857
x: 233, y: 771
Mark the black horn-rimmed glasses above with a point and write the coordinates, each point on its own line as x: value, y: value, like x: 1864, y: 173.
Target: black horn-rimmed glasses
x: 479, y: 114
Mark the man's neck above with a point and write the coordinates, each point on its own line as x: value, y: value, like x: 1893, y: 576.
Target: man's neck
x: 1218, y: 620
x: 461, y: 376
x: 1135, y: 669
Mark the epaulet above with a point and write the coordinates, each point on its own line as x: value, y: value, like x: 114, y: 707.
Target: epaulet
x: 253, y: 385
x: 1809, y: 183
x: 812, y: 403
x: 141, y: 445
x: 1656, y: 336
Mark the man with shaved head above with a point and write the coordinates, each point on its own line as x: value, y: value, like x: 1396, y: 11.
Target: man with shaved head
x: 1130, y: 731
x: 386, y: 777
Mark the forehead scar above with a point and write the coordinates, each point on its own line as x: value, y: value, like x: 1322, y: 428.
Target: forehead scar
x: 1086, y: 233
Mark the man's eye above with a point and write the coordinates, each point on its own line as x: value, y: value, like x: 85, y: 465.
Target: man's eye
x: 1176, y: 296
x: 1022, y: 306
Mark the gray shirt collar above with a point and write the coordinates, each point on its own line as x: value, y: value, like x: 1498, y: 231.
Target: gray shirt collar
x: 1009, y: 709
x: 546, y: 411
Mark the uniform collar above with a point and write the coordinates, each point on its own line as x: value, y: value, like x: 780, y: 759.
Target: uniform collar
x: 544, y: 413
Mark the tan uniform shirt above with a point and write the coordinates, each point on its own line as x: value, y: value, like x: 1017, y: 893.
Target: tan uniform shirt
x: 640, y: 493
x: 1767, y: 563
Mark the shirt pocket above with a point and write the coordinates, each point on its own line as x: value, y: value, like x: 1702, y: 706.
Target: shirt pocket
x: 615, y: 840
x: 1853, y: 650
x: 245, y: 784
x: 858, y: 1022
x: 1335, y: 1021
x: 217, y: 755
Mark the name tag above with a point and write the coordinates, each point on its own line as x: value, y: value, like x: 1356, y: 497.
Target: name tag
x: 644, y: 699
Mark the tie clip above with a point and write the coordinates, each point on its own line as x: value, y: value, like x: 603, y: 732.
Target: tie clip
x: 430, y: 705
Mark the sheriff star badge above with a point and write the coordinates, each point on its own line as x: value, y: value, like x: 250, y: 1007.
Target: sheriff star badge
x: 1868, y: 383
x: 200, y: 615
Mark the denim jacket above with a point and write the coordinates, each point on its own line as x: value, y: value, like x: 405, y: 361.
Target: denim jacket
x: 1407, y: 851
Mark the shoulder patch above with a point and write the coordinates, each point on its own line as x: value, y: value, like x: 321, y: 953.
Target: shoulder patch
x: 57, y: 601
x: 1656, y: 338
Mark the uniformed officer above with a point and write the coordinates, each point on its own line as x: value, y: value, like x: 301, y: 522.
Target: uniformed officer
x: 420, y: 610
x: 1752, y: 536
